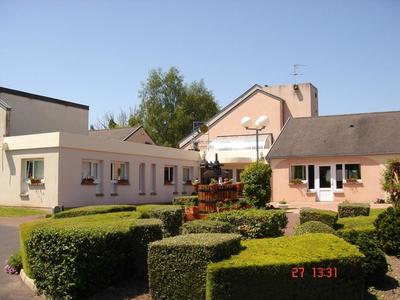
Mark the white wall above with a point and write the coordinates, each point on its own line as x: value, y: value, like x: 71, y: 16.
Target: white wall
x: 12, y: 172
x: 29, y: 116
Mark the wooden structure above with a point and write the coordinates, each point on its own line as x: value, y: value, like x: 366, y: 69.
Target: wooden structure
x: 209, y: 195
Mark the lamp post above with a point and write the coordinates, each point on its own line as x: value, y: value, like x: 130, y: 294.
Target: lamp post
x: 260, y: 124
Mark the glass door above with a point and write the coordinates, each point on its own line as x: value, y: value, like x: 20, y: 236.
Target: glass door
x: 325, y: 189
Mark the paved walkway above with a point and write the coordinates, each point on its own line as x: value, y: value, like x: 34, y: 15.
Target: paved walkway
x: 11, y: 286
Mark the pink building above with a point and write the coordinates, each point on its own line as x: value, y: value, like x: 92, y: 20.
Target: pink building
x: 334, y: 158
x: 236, y: 146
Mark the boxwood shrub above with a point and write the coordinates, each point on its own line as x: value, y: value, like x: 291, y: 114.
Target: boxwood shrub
x: 186, y: 200
x: 265, y: 270
x: 171, y: 217
x: 374, y: 265
x: 388, y: 230
x: 353, y: 209
x: 177, y: 265
x: 254, y: 223
x: 144, y: 209
x: 73, y: 257
x: 93, y: 210
x: 207, y: 226
x: 313, y: 227
x: 325, y: 216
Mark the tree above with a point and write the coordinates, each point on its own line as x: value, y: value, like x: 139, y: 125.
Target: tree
x: 111, y: 121
x: 169, y: 106
x: 391, y: 181
x: 257, y: 184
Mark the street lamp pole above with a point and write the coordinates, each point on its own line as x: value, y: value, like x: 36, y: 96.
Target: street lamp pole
x: 260, y: 124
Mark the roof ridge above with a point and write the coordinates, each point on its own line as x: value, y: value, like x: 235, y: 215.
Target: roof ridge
x: 350, y: 114
x: 42, y: 98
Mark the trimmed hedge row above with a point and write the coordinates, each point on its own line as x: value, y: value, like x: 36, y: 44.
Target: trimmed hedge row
x: 207, y: 226
x: 73, y: 257
x: 353, y: 209
x: 93, y: 210
x: 171, y: 217
x: 177, y: 265
x: 254, y: 223
x: 186, y: 200
x: 313, y: 227
x: 388, y: 230
x: 265, y: 270
x: 325, y: 216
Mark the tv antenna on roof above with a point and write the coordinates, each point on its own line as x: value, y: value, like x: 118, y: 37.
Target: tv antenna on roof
x: 296, y: 71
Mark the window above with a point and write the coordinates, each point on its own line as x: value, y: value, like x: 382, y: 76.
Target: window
x: 168, y: 175
x: 238, y: 172
x: 34, y: 169
x: 90, y: 169
x: 352, y: 171
x: 298, y: 172
x: 142, y: 187
x: 187, y: 176
x: 311, y: 177
x: 339, y: 177
x: 119, y: 171
x: 227, y: 173
x: 153, y: 178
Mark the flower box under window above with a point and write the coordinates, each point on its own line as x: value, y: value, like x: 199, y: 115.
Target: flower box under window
x: 88, y: 181
x: 123, y: 182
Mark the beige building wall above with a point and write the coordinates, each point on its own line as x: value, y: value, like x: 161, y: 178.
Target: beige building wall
x: 3, y: 123
x: 63, y: 154
x: 368, y: 190
x: 140, y: 136
x: 12, y: 174
x: 29, y: 116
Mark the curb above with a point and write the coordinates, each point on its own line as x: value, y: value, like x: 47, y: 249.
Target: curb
x: 27, y: 281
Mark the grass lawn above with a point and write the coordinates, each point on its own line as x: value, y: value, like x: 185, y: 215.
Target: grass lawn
x: 20, y: 212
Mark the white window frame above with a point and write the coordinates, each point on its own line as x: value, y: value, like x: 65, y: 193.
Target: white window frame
x: 153, y: 175
x: 142, y: 178
x: 306, y: 172
x: 25, y: 163
x: 124, y: 171
x: 344, y: 173
x: 94, y: 166
x: 171, y: 171
x: 190, y: 175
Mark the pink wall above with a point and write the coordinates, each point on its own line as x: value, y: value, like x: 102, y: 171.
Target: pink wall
x: 366, y: 191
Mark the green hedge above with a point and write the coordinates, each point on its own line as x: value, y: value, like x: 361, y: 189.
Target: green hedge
x: 264, y: 270
x: 353, y: 209
x: 93, y: 210
x: 186, y: 200
x: 325, y: 216
x: 171, y: 217
x: 374, y: 265
x: 144, y: 209
x: 74, y: 257
x: 254, y: 223
x: 207, y: 226
x: 388, y: 230
x: 177, y: 265
x: 313, y: 227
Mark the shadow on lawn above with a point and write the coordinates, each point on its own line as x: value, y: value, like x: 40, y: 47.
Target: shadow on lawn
x: 128, y: 289
x: 386, y: 284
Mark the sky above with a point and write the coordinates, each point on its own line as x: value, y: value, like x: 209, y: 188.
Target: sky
x: 99, y: 53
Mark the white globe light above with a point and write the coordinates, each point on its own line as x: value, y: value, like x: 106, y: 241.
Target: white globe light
x: 262, y: 121
x: 246, y: 122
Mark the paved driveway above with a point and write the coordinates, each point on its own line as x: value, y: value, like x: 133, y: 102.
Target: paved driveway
x: 11, y: 286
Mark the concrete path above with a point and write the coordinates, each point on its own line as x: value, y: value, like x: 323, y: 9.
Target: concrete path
x: 11, y: 286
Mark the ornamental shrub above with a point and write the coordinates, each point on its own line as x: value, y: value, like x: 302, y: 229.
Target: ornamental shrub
x: 171, y: 217
x: 374, y: 264
x: 254, y: 223
x: 353, y: 209
x: 207, y: 226
x: 144, y: 209
x: 74, y: 257
x: 93, y: 210
x: 186, y: 200
x: 265, y: 270
x: 391, y: 181
x: 177, y: 265
x: 257, y: 184
x: 388, y: 230
x: 313, y: 227
x: 13, y: 263
x: 325, y: 216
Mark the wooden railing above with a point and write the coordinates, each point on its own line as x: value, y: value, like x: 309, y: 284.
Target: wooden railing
x: 209, y: 195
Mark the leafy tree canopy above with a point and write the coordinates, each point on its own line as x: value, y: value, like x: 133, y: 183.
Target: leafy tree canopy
x: 169, y: 106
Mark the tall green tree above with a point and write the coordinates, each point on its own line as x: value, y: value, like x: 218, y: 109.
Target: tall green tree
x: 169, y: 106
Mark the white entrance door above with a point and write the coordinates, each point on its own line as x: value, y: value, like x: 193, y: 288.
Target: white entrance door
x: 325, y: 186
